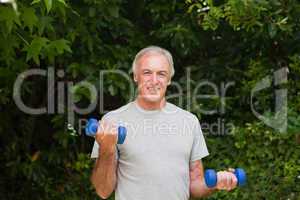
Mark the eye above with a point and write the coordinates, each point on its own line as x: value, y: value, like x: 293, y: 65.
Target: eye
x: 162, y: 74
x: 146, y: 72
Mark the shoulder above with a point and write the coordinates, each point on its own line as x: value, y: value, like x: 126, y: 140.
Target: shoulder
x: 119, y: 112
x: 182, y: 113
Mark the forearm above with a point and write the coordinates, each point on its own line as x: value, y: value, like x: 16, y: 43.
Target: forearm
x: 198, y: 188
x: 104, y: 173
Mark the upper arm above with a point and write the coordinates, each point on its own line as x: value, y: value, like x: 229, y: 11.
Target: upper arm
x: 199, y: 148
x: 196, y: 170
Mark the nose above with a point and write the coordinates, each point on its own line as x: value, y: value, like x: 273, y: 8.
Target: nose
x: 154, y: 78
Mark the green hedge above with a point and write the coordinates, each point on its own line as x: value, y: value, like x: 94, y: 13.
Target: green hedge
x: 235, y: 41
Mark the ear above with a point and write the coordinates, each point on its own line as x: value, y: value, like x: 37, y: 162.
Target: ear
x: 169, y: 82
x: 134, y: 78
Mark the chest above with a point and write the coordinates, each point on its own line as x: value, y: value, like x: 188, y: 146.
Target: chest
x: 156, y: 140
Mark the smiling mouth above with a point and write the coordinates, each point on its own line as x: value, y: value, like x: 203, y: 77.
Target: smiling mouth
x: 153, y: 90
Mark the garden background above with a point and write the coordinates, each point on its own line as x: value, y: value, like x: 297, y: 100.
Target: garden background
x: 221, y: 41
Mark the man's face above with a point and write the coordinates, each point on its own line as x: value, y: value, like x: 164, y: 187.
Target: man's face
x: 152, y: 76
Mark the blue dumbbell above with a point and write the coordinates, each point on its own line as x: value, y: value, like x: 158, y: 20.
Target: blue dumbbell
x: 92, y: 127
x: 210, y: 177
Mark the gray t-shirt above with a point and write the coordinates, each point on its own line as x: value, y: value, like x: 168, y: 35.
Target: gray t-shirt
x: 154, y: 159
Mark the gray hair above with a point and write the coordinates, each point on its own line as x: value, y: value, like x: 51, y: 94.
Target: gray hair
x: 154, y: 49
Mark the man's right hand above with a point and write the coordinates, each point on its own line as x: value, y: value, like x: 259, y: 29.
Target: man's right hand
x: 107, y: 136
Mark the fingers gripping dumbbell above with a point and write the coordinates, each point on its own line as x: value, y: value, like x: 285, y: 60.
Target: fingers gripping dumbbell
x: 92, y: 127
x: 210, y: 177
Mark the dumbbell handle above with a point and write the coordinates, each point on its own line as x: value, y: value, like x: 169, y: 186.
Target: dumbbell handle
x: 92, y: 127
x: 210, y: 177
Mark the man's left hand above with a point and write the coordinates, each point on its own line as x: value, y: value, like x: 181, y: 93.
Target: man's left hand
x: 226, y: 180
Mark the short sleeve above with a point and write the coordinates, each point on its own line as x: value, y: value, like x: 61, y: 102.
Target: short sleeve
x: 199, y: 149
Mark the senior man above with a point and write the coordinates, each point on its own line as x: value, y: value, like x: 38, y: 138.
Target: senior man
x: 161, y: 156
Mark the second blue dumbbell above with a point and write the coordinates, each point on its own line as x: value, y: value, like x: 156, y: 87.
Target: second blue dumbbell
x: 210, y: 177
x: 92, y: 127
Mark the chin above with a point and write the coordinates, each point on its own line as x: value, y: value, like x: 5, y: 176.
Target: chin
x: 153, y: 98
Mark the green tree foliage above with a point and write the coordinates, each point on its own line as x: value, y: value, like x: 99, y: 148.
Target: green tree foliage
x: 238, y: 41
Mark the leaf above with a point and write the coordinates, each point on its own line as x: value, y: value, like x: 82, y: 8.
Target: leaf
x: 45, y: 23
x: 63, y: 2
x: 113, y: 11
x: 29, y: 18
x: 61, y: 46
x: 272, y: 30
x: 35, y: 1
x: 57, y: 47
x: 112, y: 90
x: 34, y: 49
x: 9, y: 17
x: 48, y: 4
x: 75, y: 69
x: 79, y: 91
x: 192, y: 7
x: 7, y: 48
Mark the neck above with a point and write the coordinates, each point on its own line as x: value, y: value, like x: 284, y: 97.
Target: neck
x: 150, y: 105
